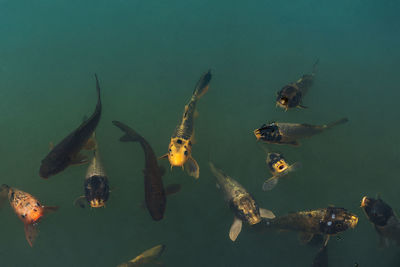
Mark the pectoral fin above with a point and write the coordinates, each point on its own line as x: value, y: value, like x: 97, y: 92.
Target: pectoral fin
x: 79, y: 159
x: 270, y: 183
x: 264, y: 213
x: 302, y: 107
x: 81, y: 202
x: 31, y: 233
x: 164, y: 156
x: 326, y: 239
x: 235, y: 228
x: 305, y: 237
x: 192, y: 167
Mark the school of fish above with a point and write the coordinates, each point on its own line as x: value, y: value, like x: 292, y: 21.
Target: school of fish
x: 316, y: 221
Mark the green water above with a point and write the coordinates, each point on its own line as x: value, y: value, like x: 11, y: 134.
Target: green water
x: 149, y: 55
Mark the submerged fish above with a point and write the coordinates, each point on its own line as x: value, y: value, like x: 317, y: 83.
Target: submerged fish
x: 241, y: 202
x: 96, y: 186
x: 321, y: 259
x: 386, y: 223
x: 153, y: 186
x: 180, y: 146
x: 326, y: 222
x: 289, y: 133
x: 66, y: 153
x: 279, y: 168
x: 291, y: 95
x: 149, y: 256
x: 28, y: 209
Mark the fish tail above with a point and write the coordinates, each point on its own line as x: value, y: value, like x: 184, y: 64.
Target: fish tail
x: 130, y: 134
x: 98, y: 106
x: 3, y: 194
x: 314, y: 69
x: 338, y: 122
x: 202, y: 85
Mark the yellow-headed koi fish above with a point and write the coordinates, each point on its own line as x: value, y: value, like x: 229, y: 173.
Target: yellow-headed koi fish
x: 149, y: 256
x: 180, y: 147
x: 279, y: 168
x: 28, y: 209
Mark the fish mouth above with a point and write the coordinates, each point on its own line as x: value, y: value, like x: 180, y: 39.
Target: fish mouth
x: 353, y: 221
x: 257, y: 133
x: 282, y: 102
x: 97, y: 203
x: 364, y: 202
x: 280, y: 166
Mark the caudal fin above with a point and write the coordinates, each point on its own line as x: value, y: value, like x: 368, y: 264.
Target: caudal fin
x: 202, y: 85
x: 130, y: 134
x: 338, y: 122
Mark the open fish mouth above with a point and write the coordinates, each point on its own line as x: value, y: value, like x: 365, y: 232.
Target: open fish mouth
x: 97, y: 203
x: 353, y: 221
x: 364, y: 202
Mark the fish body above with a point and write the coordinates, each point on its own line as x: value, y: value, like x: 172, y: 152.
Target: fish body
x: 385, y: 221
x: 155, y: 196
x: 66, y: 152
x: 240, y: 201
x: 149, y: 256
x: 27, y: 208
x: 96, y: 187
x: 278, y: 167
x: 289, y: 133
x: 180, y: 146
x: 291, y: 95
x: 328, y: 221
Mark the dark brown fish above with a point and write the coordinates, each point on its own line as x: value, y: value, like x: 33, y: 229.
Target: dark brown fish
x: 386, y: 223
x: 66, y: 153
x: 288, y: 133
x: 153, y: 186
x: 291, y: 95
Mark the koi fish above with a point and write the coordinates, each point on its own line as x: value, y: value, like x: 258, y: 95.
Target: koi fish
x: 241, y: 202
x: 289, y: 133
x: 180, y: 146
x: 96, y: 187
x: 28, y: 209
x: 291, y: 95
x: 149, y: 256
x: 66, y: 152
x: 386, y: 223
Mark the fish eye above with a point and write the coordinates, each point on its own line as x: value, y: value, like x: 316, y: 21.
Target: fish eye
x: 281, y: 167
x: 169, y: 150
x: 186, y: 152
x: 38, y: 204
x: 23, y: 215
x: 179, y: 141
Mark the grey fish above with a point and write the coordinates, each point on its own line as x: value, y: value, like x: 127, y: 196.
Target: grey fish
x: 291, y: 95
x: 66, y: 152
x: 148, y: 257
x: 289, y: 133
x: 240, y: 201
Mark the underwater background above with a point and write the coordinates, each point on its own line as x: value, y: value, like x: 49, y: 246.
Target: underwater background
x: 148, y: 56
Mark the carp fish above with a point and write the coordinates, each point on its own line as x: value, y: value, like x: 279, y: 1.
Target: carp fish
x: 279, y: 168
x: 96, y: 187
x: 66, y: 152
x: 326, y: 222
x: 240, y: 201
x: 288, y: 133
x: 382, y: 216
x: 180, y: 146
x: 291, y: 95
x: 28, y: 209
x: 155, y: 195
x: 148, y: 257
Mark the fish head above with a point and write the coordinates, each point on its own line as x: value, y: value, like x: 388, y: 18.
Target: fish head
x: 97, y: 191
x: 277, y: 163
x: 268, y: 133
x: 288, y: 97
x: 247, y: 209
x: 179, y: 151
x: 377, y: 211
x: 337, y: 220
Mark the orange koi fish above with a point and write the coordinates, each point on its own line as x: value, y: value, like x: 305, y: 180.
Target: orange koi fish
x: 28, y: 209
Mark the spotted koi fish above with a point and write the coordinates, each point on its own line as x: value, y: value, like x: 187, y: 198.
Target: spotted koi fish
x: 28, y: 209
x: 180, y: 146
